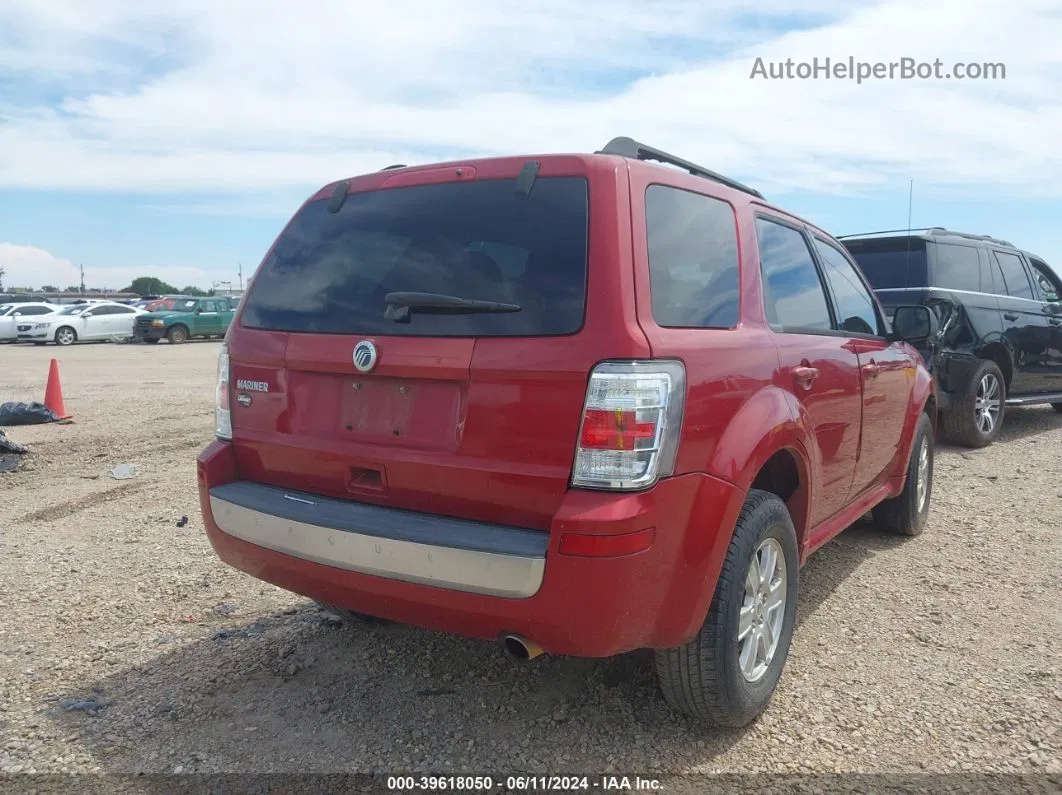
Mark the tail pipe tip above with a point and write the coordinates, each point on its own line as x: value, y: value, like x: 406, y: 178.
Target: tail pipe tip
x: 519, y: 647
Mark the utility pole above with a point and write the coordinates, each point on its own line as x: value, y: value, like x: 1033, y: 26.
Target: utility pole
x: 239, y: 267
x: 82, y: 279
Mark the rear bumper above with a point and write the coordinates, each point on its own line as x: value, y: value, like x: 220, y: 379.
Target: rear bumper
x: 401, y: 545
x: 479, y: 580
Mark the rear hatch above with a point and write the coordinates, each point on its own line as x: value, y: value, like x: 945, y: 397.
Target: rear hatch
x: 470, y: 410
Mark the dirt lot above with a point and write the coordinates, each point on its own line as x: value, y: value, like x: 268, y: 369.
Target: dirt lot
x: 127, y: 647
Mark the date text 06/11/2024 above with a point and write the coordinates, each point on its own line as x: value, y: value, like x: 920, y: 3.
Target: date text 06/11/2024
x: 522, y: 783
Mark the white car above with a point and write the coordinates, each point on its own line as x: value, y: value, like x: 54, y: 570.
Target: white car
x: 14, y: 315
x: 102, y: 320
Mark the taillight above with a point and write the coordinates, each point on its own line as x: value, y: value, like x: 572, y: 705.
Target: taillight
x: 222, y: 415
x: 632, y: 419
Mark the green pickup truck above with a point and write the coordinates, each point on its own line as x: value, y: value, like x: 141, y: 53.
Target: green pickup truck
x: 189, y: 317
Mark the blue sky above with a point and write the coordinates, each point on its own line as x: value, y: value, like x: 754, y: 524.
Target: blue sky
x: 176, y: 141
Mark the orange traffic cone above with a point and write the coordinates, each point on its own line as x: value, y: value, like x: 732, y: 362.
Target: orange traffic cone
x: 53, y: 393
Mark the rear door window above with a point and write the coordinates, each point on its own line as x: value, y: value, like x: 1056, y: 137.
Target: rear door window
x: 329, y: 273
x: 693, y: 259
x: 957, y: 267
x: 1015, y: 278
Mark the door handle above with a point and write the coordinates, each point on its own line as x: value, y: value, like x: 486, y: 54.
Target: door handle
x: 1010, y: 315
x: 871, y: 369
x: 805, y: 376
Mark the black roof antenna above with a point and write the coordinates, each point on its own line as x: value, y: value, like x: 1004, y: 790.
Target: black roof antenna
x: 907, y: 253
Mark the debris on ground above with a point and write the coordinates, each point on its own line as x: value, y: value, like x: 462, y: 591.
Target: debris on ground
x: 124, y: 472
x: 182, y: 521
x: 9, y: 463
x: 8, y: 446
x: 26, y: 414
x: 90, y: 706
x: 225, y: 609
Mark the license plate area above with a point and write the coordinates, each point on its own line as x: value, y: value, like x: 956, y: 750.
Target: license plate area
x: 401, y: 412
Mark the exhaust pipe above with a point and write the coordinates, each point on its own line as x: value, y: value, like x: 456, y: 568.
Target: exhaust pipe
x: 520, y: 647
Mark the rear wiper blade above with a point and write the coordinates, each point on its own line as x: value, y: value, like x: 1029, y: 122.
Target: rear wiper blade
x: 401, y: 305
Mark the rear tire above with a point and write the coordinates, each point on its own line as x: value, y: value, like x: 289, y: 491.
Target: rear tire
x: 907, y: 513
x: 177, y: 335
x: 970, y: 421
x: 350, y: 617
x: 728, y: 673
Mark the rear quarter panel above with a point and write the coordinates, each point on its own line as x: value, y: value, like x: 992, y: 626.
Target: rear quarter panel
x: 736, y: 417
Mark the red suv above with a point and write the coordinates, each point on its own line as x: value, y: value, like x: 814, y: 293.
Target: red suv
x: 579, y: 403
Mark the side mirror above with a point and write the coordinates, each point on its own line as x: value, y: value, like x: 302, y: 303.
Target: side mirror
x: 914, y: 324
x: 1054, y: 307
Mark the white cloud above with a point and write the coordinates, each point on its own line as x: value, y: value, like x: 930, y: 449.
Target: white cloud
x: 32, y: 267
x: 246, y: 96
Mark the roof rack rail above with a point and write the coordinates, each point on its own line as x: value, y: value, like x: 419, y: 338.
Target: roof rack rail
x: 940, y: 230
x: 931, y: 230
x: 886, y: 232
x: 628, y: 147
x: 396, y: 165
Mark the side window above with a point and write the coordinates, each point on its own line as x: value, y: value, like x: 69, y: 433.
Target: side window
x: 1049, y: 286
x: 856, y: 312
x: 957, y: 267
x: 1015, y: 279
x: 122, y: 310
x: 793, y: 293
x: 693, y: 261
x: 35, y: 310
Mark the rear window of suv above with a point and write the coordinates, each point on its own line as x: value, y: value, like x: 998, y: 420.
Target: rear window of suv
x: 891, y: 263
x: 330, y: 272
x: 693, y: 259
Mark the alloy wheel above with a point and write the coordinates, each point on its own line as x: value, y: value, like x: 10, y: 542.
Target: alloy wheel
x: 762, y: 610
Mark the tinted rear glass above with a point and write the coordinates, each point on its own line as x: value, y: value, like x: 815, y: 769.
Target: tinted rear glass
x: 1014, y: 276
x: 329, y: 273
x: 957, y: 267
x: 891, y: 263
x: 693, y: 262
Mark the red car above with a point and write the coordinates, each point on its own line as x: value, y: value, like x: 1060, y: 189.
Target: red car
x: 579, y: 403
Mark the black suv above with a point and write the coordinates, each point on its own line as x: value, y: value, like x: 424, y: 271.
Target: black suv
x: 999, y: 341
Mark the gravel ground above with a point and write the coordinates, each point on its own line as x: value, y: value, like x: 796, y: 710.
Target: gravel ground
x: 127, y: 647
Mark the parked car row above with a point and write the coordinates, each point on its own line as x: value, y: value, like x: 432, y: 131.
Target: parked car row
x: 176, y: 320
